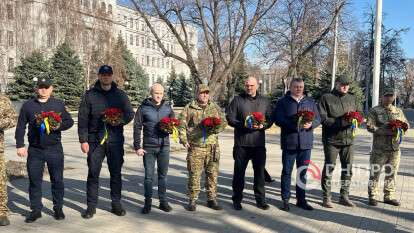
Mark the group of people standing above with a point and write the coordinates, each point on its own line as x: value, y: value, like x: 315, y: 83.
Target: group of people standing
x: 101, y: 137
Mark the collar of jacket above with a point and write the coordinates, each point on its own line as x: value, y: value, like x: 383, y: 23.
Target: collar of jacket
x: 148, y: 102
x: 304, y: 97
x: 246, y: 96
x: 194, y: 104
x: 37, y: 100
x: 339, y: 94
x: 98, y: 87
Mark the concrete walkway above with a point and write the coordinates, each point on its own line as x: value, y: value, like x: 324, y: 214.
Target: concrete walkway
x: 363, y: 218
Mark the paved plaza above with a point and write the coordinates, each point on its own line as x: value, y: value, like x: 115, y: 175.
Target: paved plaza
x: 362, y: 218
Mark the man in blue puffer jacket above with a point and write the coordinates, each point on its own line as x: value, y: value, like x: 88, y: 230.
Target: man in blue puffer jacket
x: 155, y: 146
x: 296, y: 139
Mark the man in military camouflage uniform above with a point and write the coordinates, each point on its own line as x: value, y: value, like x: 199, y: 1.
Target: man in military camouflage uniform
x: 337, y: 137
x: 7, y: 120
x: 385, y: 148
x: 203, y: 147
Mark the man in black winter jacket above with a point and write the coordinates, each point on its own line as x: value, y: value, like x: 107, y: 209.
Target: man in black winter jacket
x: 249, y: 142
x: 156, y: 144
x: 45, y: 146
x: 100, y: 139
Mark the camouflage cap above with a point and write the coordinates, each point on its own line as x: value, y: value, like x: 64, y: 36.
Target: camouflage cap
x: 343, y: 79
x: 388, y: 91
x: 203, y: 88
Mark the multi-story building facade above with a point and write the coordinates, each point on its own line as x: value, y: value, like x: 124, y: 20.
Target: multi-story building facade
x: 90, y: 26
x: 144, y: 47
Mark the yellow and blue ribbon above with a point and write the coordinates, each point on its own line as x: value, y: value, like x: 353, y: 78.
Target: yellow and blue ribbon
x: 204, y: 135
x: 45, y: 127
x: 400, y: 135
x: 175, y: 134
x: 106, y: 135
x: 354, y: 127
x: 248, y: 123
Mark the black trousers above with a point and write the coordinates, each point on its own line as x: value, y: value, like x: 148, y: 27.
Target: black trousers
x: 242, y: 156
x: 114, y: 153
x: 346, y: 157
x: 53, y: 157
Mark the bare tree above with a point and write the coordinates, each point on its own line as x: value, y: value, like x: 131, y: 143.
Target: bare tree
x: 407, y: 82
x: 225, y: 27
x: 295, y: 28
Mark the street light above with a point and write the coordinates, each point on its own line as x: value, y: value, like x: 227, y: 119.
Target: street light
x: 260, y: 86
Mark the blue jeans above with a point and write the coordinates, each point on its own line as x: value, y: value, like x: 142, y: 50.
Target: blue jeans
x: 162, y: 156
x: 288, y: 159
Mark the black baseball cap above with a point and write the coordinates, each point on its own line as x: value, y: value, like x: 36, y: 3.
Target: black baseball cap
x: 105, y: 69
x: 44, y: 81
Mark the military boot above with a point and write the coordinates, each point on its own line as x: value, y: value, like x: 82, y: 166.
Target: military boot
x: 191, y: 205
x: 4, y: 221
x: 327, y: 202
x: 344, y: 200
x: 212, y: 204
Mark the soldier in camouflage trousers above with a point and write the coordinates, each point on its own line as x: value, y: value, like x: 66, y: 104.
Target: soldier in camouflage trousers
x: 202, y: 145
x: 7, y: 120
x: 385, y: 148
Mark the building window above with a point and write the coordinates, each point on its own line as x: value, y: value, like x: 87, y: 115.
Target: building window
x: 51, y: 36
x: 85, y: 41
x: 131, y: 23
x: 158, y: 63
x: 10, y: 38
x: 110, y: 9
x: 137, y: 40
x: 153, y: 44
x: 94, y: 4
x: 143, y: 42
x: 10, y: 11
x: 142, y: 27
x: 153, y: 62
x: 10, y: 65
x: 131, y: 39
x: 148, y: 43
x: 142, y: 60
x: 103, y: 7
x: 125, y: 20
x: 86, y: 4
x: 167, y: 63
x: 148, y: 61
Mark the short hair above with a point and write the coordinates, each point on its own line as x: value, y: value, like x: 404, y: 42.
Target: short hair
x: 251, y: 77
x: 156, y: 85
x: 296, y: 80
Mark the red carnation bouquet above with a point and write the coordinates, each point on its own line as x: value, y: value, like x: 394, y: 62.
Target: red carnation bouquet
x: 254, y: 120
x: 113, y: 117
x: 210, y: 125
x: 48, y: 121
x: 168, y: 125
x: 399, y: 128
x: 304, y: 116
x: 355, y: 118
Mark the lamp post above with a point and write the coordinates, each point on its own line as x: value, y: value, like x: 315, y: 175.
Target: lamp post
x: 377, y: 54
x: 261, y: 86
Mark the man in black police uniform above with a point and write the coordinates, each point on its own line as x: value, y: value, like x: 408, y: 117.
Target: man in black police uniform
x: 91, y: 129
x: 43, y: 148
